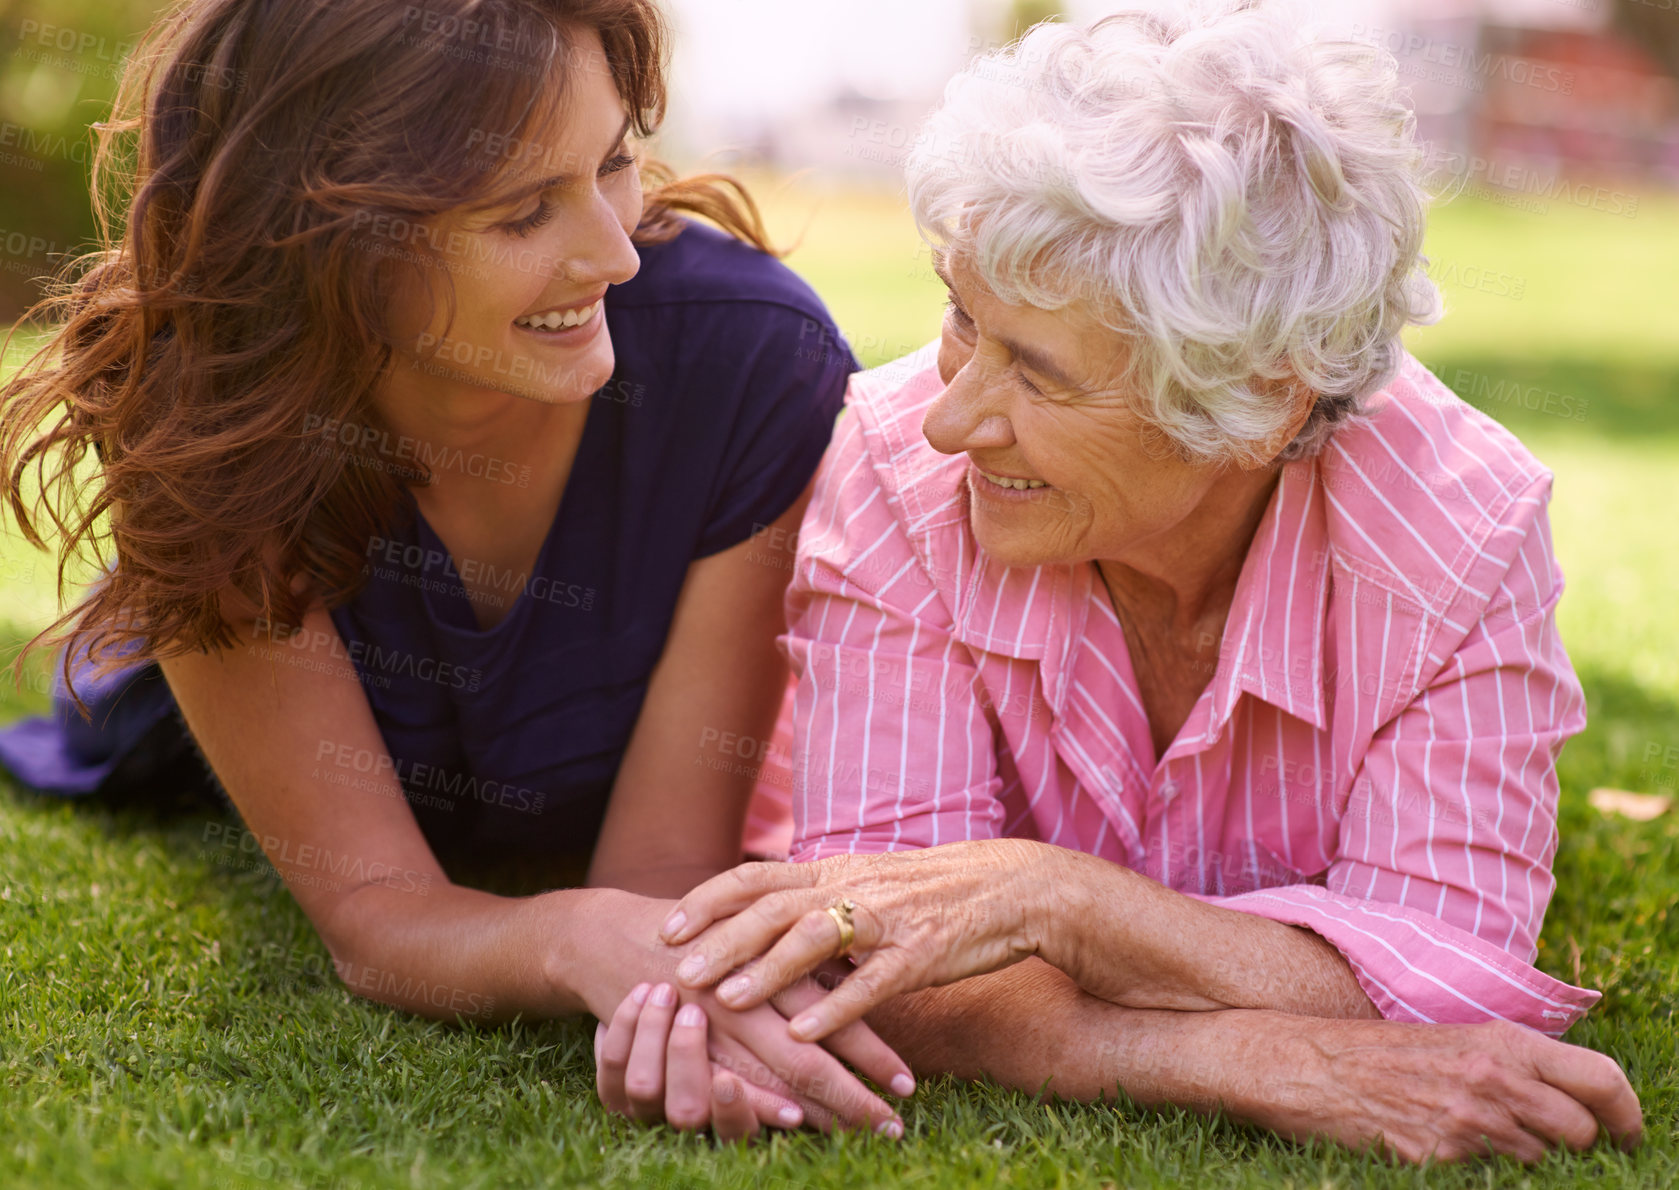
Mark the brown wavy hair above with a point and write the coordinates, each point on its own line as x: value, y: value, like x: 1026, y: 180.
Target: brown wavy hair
x: 233, y: 301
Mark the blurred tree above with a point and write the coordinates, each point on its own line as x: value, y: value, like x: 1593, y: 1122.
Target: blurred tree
x: 1655, y: 26
x: 60, y: 61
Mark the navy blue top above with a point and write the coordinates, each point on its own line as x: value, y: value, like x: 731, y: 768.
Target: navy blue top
x: 729, y: 376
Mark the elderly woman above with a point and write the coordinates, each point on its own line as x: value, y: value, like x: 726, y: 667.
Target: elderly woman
x: 1169, y: 625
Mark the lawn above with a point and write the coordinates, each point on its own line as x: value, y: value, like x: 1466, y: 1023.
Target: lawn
x: 167, y: 1021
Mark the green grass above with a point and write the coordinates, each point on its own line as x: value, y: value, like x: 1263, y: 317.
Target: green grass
x: 165, y: 1021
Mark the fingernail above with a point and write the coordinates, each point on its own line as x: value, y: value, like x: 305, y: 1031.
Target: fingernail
x: 734, y: 988
x: 892, y: 1128
x: 692, y: 967
x: 790, y: 1116
x: 674, y: 924
x: 664, y: 996
x: 727, y: 1091
x: 639, y: 993
x: 691, y: 1016
x: 805, y: 1025
x: 903, y: 1086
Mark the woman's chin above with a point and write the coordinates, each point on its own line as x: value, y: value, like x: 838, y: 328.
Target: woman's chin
x: 567, y: 385
x: 554, y: 394
x: 1021, y: 537
x: 1010, y: 546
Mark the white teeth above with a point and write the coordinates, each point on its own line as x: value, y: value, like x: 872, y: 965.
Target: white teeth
x: 553, y: 320
x: 1019, y: 485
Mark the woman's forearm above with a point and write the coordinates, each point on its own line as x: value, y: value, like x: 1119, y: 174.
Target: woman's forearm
x: 456, y: 951
x: 927, y: 918
x: 1422, y: 1092
x: 1257, y: 1066
x: 1132, y: 941
x: 1073, y: 1045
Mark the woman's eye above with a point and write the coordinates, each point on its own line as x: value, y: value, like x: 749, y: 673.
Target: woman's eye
x: 523, y: 227
x: 1027, y: 384
x: 959, y: 315
x: 616, y: 164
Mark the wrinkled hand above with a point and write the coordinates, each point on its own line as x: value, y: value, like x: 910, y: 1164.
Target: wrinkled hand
x: 922, y: 919
x: 752, y: 1045
x: 1448, y: 1092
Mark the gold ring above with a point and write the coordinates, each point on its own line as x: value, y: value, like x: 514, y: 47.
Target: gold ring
x: 841, y: 911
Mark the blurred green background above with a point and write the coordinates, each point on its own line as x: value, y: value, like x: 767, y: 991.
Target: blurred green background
x: 48, y: 98
x: 154, y: 1030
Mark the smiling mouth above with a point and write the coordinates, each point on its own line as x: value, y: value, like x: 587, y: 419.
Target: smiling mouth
x: 1009, y: 481
x: 562, y: 319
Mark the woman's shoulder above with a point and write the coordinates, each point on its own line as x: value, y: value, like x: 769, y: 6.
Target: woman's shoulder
x: 1429, y: 492
x: 709, y: 313
x: 702, y: 266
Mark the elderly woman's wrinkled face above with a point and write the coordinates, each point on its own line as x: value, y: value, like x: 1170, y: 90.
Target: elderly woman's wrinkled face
x: 1061, y: 468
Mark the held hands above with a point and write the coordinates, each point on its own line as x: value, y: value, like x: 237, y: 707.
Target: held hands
x: 652, y: 1064
x: 920, y: 919
x: 736, y: 1071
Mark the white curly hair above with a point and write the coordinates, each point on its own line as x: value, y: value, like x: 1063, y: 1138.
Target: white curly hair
x: 1240, y: 198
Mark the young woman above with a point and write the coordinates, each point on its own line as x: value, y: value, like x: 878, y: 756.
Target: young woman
x: 424, y: 455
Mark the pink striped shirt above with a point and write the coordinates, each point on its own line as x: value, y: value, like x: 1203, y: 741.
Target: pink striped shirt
x: 1373, y: 758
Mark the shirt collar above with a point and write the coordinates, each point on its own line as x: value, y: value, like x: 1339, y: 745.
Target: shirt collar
x: 1273, y: 646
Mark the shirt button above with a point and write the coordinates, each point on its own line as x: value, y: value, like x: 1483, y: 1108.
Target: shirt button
x: 1168, y: 791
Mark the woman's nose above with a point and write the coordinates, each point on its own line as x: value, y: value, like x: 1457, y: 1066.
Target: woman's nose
x: 604, y: 251
x: 961, y: 418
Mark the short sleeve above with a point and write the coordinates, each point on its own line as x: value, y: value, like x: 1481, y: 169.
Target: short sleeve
x: 794, y: 372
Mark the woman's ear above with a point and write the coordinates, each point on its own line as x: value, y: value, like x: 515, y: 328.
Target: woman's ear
x: 1300, y: 401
